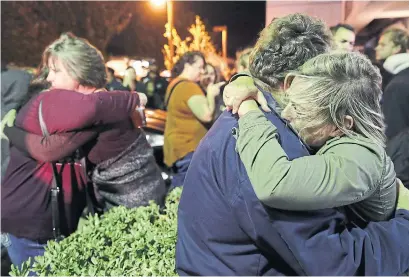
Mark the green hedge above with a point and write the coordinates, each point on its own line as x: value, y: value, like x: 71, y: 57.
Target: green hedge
x: 139, y: 241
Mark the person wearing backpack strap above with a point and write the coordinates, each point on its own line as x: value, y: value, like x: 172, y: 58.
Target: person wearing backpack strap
x: 188, y: 110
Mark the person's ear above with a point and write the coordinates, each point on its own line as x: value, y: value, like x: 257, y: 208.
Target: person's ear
x: 348, y: 122
x: 288, y: 80
x: 396, y: 49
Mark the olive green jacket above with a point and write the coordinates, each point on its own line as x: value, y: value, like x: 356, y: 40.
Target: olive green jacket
x: 345, y: 171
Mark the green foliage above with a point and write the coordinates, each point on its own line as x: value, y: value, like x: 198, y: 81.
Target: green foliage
x: 124, y: 242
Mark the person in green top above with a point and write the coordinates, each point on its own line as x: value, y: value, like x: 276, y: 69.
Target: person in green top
x: 333, y: 104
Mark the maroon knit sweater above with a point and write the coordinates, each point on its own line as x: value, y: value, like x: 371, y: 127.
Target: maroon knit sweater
x: 25, y: 189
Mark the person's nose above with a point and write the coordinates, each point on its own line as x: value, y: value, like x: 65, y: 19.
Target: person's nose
x: 50, y: 77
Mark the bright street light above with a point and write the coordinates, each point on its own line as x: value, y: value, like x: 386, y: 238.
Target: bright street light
x: 158, y: 3
x: 169, y: 8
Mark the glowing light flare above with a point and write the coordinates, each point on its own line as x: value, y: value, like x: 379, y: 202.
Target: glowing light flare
x: 158, y: 3
x: 165, y: 74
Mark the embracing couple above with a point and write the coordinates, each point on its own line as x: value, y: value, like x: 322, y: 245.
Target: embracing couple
x: 302, y: 186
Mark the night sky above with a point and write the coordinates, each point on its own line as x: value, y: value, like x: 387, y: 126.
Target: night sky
x: 244, y: 19
x: 144, y: 35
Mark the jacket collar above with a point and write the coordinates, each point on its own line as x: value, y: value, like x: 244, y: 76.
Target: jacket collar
x: 396, y: 63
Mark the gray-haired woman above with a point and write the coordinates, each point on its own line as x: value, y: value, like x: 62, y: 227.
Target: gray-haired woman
x: 333, y: 103
x: 125, y: 169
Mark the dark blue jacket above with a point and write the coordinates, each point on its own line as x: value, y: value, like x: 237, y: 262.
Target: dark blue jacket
x: 223, y: 229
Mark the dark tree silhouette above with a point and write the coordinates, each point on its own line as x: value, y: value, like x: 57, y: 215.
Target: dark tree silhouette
x: 28, y: 26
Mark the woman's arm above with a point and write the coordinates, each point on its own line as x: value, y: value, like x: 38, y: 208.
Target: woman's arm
x: 51, y: 148
x: 203, y: 106
x: 345, y: 174
x: 65, y: 110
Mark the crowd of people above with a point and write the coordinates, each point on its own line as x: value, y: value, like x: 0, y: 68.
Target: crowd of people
x: 153, y: 85
x: 298, y: 165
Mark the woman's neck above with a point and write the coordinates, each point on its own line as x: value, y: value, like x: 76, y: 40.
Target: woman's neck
x: 86, y: 90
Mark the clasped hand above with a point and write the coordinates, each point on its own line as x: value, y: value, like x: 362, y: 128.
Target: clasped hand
x: 242, y: 96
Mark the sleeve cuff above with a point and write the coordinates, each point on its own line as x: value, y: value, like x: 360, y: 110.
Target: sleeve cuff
x: 253, y: 118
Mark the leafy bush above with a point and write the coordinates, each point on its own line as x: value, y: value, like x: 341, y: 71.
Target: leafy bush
x: 139, y: 241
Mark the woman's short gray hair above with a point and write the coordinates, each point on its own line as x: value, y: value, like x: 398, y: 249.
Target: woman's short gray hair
x: 335, y: 85
x: 82, y: 60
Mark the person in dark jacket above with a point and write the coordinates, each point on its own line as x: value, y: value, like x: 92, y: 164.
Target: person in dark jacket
x: 14, y: 87
x: 395, y: 108
x: 393, y: 47
x: 73, y: 105
x: 391, y: 42
x: 395, y: 102
x: 398, y: 150
x: 223, y: 229
x: 154, y: 86
x: 112, y: 82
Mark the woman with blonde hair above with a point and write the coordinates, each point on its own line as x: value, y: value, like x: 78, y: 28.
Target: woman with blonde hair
x: 333, y: 103
x: 77, y: 114
x: 129, y: 81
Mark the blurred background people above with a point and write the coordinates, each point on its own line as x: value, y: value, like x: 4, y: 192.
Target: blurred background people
x: 344, y: 37
x: 392, y: 50
x: 129, y: 81
x: 154, y: 86
x: 391, y: 42
x: 211, y: 76
x: 112, y: 82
